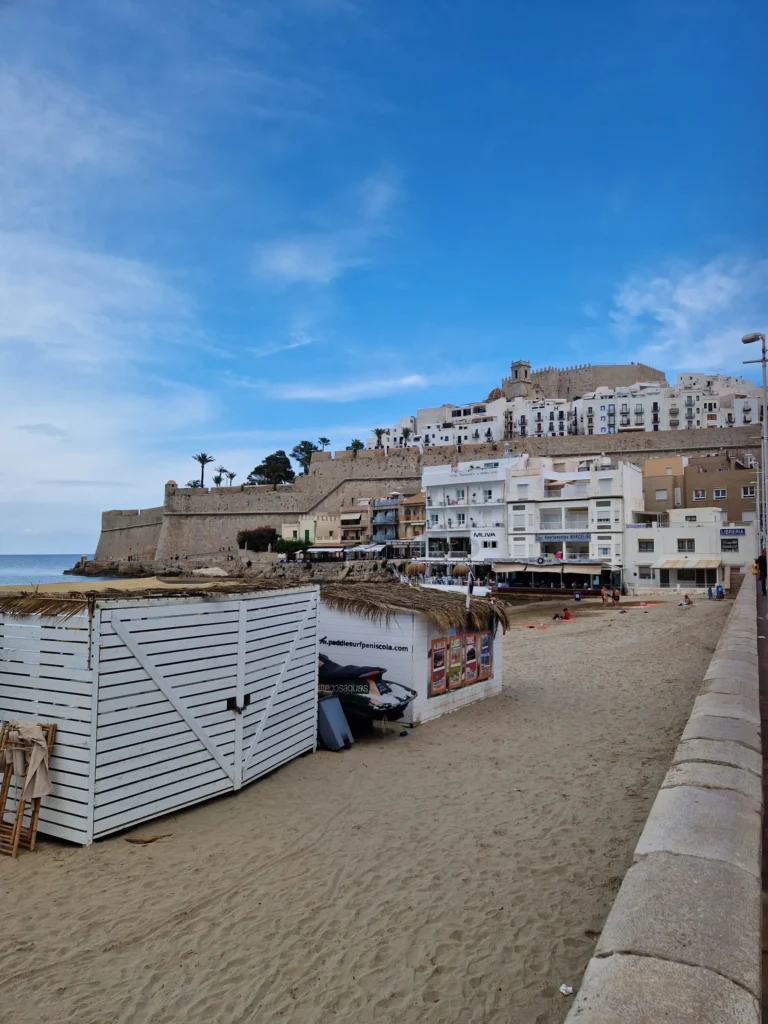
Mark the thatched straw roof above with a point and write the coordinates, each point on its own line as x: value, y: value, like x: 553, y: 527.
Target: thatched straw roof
x: 372, y: 600
x: 56, y: 601
x: 445, y: 611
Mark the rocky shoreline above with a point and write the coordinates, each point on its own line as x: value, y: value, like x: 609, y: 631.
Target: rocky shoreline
x: 291, y: 572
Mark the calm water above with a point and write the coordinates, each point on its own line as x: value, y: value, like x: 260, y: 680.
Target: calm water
x: 22, y: 569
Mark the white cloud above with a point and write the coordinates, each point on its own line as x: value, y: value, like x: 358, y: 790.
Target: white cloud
x: 82, y: 306
x: 319, y: 258
x: 694, y: 317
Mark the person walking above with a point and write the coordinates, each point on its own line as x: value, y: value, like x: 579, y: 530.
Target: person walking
x: 761, y: 569
x: 616, y: 597
x: 604, y: 595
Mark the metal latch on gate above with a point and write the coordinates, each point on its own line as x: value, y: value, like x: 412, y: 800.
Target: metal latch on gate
x: 232, y: 704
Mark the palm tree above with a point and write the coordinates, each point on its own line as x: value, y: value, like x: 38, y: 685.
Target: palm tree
x: 204, y: 459
x: 379, y: 432
x: 193, y: 483
x: 230, y: 476
x: 217, y: 480
x: 323, y: 442
x: 222, y: 471
x: 406, y: 434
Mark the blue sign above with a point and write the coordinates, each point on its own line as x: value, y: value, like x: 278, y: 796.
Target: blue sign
x: 737, y: 532
x: 562, y: 536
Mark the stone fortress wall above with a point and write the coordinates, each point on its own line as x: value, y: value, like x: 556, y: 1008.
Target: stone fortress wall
x: 195, y: 521
x: 574, y: 381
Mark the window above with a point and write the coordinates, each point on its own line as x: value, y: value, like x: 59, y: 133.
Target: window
x: 720, y: 494
x: 604, y: 550
x: 460, y: 519
x: 433, y: 518
x: 460, y: 493
x: 489, y: 543
x: 295, y: 534
x: 661, y: 495
x: 645, y: 545
x: 729, y: 543
x: 690, y: 519
x: 518, y: 508
x: 748, y: 491
x: 551, y: 518
x: 699, y: 494
x: 645, y: 572
x: 488, y: 494
x: 686, y: 544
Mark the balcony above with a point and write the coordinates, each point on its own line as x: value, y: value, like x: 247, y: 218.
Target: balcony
x: 384, y: 519
x: 386, y: 502
x: 384, y: 536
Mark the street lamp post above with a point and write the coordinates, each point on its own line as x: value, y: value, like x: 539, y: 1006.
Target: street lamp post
x: 749, y: 339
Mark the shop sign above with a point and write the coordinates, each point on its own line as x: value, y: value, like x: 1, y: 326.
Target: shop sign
x: 734, y: 532
x: 562, y: 536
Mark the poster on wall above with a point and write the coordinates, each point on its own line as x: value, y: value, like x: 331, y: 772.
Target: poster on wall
x: 437, y: 674
x: 455, y: 666
x: 486, y: 647
x: 470, y: 658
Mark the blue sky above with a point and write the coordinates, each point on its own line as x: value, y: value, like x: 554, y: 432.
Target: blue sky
x: 229, y: 226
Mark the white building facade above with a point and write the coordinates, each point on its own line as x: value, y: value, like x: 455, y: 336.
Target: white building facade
x: 466, y: 510
x: 689, y: 549
x: 571, y: 510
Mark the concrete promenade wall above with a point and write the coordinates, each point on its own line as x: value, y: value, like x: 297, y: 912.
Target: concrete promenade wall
x: 682, y: 942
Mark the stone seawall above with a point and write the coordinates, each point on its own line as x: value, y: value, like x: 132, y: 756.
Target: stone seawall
x: 682, y: 942
x: 196, y: 520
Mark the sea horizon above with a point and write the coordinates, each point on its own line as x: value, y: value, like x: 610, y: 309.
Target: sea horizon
x: 32, y: 569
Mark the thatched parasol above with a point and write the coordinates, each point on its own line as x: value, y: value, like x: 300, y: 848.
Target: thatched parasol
x: 415, y: 569
x: 444, y: 610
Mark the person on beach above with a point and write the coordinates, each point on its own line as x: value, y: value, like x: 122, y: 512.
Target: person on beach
x: 616, y: 597
x: 604, y: 595
x: 761, y: 569
x: 567, y: 615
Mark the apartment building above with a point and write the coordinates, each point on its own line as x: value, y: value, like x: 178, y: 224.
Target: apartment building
x: 413, y: 516
x: 385, y: 518
x: 539, y: 417
x: 466, y: 511
x: 571, y: 510
x: 355, y: 523
x: 726, y: 481
x: 472, y: 423
x: 689, y: 549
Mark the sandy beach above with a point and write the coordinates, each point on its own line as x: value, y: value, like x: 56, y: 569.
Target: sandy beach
x: 459, y: 874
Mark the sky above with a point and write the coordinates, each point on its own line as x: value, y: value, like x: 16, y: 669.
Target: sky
x: 230, y: 226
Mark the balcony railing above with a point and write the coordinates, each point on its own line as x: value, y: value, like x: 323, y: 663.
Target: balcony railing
x: 385, y: 502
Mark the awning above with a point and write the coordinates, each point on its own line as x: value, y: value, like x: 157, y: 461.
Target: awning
x: 351, y: 517
x: 708, y: 563
x: 358, y: 547
x: 583, y: 570
x: 326, y: 551
x: 510, y: 567
x: 672, y: 563
x: 375, y: 547
x: 546, y: 568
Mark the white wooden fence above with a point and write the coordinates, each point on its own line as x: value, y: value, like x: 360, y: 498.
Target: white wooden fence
x: 194, y: 697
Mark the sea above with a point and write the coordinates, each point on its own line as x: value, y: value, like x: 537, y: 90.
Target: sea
x: 18, y: 570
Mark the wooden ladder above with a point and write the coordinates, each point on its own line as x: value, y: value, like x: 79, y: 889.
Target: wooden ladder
x: 14, y: 834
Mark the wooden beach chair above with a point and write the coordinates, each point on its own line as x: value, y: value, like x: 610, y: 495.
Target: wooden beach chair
x: 14, y: 833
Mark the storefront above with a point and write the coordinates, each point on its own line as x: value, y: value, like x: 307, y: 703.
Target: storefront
x: 555, y: 574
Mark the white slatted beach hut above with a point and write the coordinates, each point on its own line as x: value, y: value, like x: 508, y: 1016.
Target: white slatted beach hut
x: 161, y: 700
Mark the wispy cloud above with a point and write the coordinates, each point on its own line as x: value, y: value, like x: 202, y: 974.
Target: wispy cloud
x: 87, y: 307
x: 298, y: 340
x: 693, y: 316
x: 321, y: 257
x: 333, y: 391
x: 42, y: 429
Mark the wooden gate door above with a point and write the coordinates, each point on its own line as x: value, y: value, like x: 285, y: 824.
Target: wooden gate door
x: 168, y: 727
x: 279, y: 680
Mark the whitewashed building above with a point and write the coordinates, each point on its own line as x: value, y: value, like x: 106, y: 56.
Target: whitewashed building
x: 471, y: 423
x: 466, y: 510
x: 571, y: 510
x: 688, y: 549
